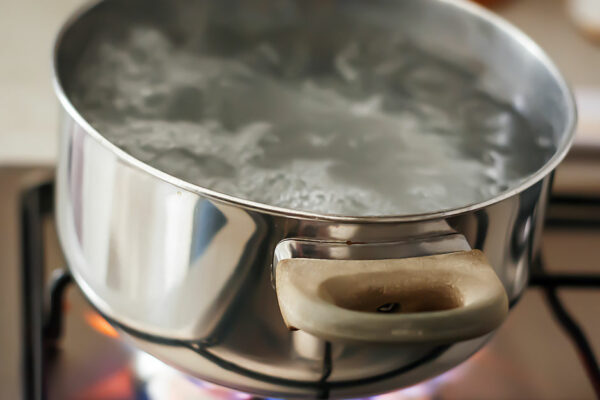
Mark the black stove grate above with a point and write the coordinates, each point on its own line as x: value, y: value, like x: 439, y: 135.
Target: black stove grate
x: 42, y: 302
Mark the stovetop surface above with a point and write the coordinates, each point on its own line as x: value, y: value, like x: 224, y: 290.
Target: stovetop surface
x: 530, y: 357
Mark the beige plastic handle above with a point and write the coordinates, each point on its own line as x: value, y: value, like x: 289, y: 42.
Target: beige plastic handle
x: 434, y: 299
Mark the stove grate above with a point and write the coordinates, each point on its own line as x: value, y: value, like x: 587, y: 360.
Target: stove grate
x: 42, y: 325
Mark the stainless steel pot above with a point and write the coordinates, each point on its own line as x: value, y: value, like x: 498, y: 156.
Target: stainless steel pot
x: 208, y: 282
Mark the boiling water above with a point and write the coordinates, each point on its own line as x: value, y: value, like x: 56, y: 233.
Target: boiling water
x: 364, y: 127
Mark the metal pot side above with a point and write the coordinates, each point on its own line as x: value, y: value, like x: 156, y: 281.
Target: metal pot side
x: 187, y: 274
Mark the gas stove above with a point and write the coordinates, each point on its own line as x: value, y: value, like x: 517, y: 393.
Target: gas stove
x: 544, y: 350
x: 66, y: 350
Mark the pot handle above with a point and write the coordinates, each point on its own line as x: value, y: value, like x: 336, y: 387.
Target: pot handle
x: 434, y: 299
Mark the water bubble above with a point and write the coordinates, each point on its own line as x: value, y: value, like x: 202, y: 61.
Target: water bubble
x: 344, y: 62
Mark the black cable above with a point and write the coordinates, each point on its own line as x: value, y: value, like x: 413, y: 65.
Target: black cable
x: 566, y: 223
x: 35, y: 203
x: 327, y: 370
x: 550, y: 283
x: 576, y: 212
x: 53, y: 324
x: 573, y: 212
x: 585, y: 352
x: 564, y: 280
x: 575, y: 201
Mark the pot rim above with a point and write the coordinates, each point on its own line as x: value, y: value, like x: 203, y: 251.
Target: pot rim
x: 468, y: 7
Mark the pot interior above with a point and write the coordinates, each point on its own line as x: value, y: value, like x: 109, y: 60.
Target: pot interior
x: 354, y: 108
